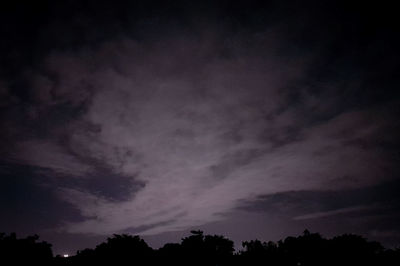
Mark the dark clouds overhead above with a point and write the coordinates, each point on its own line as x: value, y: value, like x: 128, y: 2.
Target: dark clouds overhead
x: 159, y: 118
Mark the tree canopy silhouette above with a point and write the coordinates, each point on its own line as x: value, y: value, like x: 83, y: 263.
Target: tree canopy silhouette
x: 200, y: 249
x: 23, y: 250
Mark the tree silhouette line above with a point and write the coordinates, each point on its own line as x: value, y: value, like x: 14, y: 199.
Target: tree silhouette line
x: 199, y: 249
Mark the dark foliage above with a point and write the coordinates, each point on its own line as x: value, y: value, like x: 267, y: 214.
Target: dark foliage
x: 24, y: 250
x: 199, y: 249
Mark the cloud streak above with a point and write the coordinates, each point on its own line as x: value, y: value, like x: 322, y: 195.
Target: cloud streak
x: 332, y: 213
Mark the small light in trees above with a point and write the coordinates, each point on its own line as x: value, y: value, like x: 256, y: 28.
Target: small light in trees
x: 65, y: 255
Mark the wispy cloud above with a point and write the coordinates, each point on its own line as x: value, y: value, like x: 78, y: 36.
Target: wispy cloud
x: 316, y: 215
x: 49, y: 155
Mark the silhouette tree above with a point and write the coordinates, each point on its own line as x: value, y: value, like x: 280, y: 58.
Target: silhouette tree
x: 254, y: 252
x: 123, y: 248
x: 354, y: 249
x: 207, y: 250
x: 25, y: 250
x: 308, y: 249
x: 170, y: 254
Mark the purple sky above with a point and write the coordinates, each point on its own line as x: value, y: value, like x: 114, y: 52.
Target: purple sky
x: 249, y: 120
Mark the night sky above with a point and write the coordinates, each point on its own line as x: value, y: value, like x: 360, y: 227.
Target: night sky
x: 251, y: 119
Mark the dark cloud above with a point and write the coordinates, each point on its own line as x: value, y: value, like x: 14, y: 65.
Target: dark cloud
x: 27, y: 196
x: 384, y: 194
